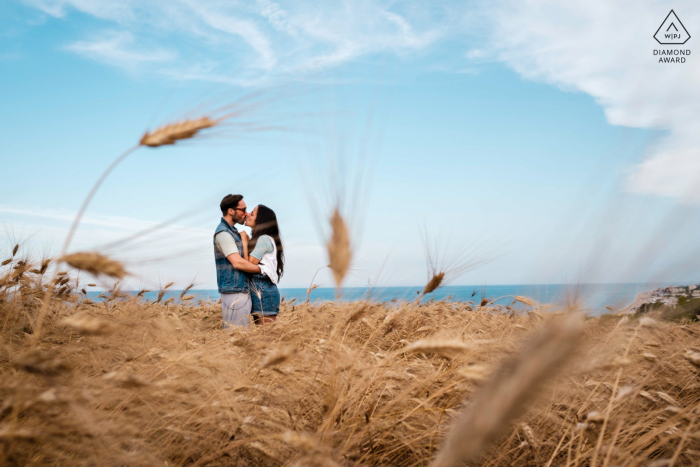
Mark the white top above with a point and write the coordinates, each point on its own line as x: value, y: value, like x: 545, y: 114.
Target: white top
x: 225, y: 243
x: 266, y: 251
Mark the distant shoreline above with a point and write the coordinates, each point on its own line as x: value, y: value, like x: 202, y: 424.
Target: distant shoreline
x: 667, y: 295
x: 594, y: 298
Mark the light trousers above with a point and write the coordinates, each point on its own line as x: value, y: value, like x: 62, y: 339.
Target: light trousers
x: 235, y: 309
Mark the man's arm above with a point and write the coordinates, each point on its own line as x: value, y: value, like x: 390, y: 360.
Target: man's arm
x: 242, y: 265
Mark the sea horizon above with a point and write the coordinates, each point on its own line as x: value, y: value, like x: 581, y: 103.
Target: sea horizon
x: 592, y: 297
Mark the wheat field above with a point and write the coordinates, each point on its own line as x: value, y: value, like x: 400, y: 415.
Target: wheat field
x: 126, y: 381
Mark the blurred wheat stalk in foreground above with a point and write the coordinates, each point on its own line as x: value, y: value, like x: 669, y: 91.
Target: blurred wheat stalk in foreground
x: 339, y: 249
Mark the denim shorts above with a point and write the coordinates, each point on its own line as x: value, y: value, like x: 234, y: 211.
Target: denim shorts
x: 264, y: 295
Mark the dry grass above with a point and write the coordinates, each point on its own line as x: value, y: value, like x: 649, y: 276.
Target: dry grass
x: 507, y: 394
x: 128, y: 382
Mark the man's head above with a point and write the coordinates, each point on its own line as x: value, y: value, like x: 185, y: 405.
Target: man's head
x: 233, y: 209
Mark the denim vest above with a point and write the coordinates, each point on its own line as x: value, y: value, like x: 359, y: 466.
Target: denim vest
x: 228, y: 278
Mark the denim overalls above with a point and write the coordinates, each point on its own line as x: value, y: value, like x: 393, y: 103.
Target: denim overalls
x: 264, y: 295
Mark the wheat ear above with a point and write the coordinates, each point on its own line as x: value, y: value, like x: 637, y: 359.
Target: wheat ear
x: 170, y: 134
x: 95, y: 263
x: 433, y: 283
x: 339, y: 251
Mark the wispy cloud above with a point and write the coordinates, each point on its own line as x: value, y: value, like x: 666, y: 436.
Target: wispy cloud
x: 119, y: 49
x: 107, y: 9
x: 245, y: 29
x: 248, y: 41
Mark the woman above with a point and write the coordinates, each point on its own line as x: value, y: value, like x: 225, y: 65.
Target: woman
x: 266, y: 250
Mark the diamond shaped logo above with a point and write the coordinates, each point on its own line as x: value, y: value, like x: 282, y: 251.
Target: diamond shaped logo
x: 672, y: 31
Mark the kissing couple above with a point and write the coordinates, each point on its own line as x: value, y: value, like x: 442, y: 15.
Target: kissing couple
x: 248, y: 268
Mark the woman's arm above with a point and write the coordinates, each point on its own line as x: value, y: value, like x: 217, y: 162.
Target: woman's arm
x: 246, y: 255
x: 262, y: 246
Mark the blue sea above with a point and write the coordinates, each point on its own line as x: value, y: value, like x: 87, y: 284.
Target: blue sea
x: 591, y: 297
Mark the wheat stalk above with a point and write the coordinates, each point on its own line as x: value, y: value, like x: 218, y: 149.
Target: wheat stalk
x: 508, y: 392
x: 41, y: 363
x: 437, y: 346
x: 184, y: 292
x: 525, y: 300
x: 693, y: 357
x: 443, y: 268
x: 88, y: 325
x: 277, y: 357
x: 125, y: 379
x: 165, y: 135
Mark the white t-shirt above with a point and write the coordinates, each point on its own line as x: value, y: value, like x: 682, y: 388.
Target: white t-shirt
x: 266, y: 252
x: 264, y: 245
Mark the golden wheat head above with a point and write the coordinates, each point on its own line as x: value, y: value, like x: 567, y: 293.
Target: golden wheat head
x: 170, y: 134
x: 339, y: 251
x: 95, y: 263
x: 433, y: 283
x: 525, y: 300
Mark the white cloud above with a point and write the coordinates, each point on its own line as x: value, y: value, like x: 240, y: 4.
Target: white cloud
x: 246, y: 29
x: 605, y: 49
x: 250, y: 41
x: 119, y: 49
x: 114, y: 10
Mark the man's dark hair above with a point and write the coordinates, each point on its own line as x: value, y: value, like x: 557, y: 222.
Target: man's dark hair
x: 229, y: 201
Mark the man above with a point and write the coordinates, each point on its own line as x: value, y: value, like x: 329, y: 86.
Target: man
x: 231, y: 268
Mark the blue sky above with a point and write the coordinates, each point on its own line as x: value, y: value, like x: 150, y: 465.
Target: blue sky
x: 543, y: 136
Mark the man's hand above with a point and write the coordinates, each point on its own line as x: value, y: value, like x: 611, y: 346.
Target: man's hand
x: 244, y: 243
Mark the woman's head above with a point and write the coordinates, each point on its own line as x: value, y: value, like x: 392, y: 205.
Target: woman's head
x: 251, y: 217
x: 263, y: 221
